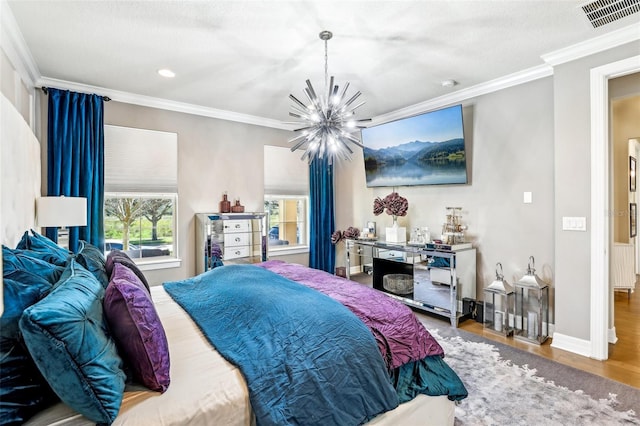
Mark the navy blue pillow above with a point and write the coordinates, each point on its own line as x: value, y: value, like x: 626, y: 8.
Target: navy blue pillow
x: 93, y: 260
x: 23, y: 390
x: 18, y: 261
x: 40, y: 243
x: 66, y: 335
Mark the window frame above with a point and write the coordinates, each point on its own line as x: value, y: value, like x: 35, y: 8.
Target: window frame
x: 155, y: 262
x: 283, y: 250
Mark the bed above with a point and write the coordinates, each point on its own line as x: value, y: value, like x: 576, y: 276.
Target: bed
x: 208, y: 389
x: 205, y: 387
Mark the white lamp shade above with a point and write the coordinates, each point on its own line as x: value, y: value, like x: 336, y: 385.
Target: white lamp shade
x: 61, y: 211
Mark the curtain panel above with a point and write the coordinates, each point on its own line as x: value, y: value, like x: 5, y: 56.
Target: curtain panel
x: 75, y: 158
x: 322, y: 218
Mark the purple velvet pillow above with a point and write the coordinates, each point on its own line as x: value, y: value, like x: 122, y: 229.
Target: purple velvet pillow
x: 117, y: 256
x: 137, y: 329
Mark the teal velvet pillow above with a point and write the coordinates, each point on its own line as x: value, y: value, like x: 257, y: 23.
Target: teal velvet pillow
x: 18, y: 261
x: 20, y: 290
x: 40, y: 243
x: 23, y: 390
x: 66, y: 335
x: 93, y: 260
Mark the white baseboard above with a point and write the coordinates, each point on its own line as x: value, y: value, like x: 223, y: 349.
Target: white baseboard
x: 571, y: 344
x: 611, y: 335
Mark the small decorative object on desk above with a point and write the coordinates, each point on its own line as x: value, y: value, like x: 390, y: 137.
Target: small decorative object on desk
x: 394, y: 205
x: 237, y: 208
x: 225, y: 204
x: 350, y: 233
x: 453, y: 229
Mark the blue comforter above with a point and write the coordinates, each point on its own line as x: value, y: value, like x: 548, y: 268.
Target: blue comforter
x: 306, y: 358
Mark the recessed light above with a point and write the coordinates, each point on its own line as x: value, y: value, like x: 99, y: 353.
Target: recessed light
x: 166, y: 73
x: 449, y: 83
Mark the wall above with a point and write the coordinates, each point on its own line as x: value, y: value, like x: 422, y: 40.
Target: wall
x: 509, y: 138
x: 572, y: 184
x: 214, y: 156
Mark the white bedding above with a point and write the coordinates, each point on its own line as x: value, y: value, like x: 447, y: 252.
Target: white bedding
x: 207, y: 390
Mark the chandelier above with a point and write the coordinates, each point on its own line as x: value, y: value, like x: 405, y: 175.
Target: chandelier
x: 328, y: 123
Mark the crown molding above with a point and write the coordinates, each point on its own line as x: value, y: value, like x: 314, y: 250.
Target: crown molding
x: 169, y: 105
x: 459, y: 96
x: 594, y: 45
x: 16, y: 48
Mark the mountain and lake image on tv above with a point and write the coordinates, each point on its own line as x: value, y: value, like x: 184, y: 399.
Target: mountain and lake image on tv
x: 426, y: 149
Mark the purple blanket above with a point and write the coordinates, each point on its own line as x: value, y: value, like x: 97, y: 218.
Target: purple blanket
x: 400, y: 336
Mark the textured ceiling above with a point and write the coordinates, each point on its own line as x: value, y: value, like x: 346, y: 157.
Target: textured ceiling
x: 247, y: 56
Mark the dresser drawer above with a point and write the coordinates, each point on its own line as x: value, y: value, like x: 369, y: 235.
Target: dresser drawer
x: 236, y: 252
x: 232, y: 226
x: 238, y: 239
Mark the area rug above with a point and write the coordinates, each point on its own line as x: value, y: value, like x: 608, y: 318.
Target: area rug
x: 503, y: 392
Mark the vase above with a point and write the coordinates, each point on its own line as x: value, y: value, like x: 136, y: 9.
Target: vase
x: 225, y: 204
x: 396, y: 234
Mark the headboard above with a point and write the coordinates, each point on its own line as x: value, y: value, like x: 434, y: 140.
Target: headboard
x: 20, y: 172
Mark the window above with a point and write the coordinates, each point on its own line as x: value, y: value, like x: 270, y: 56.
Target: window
x: 286, y: 199
x: 287, y: 221
x: 141, y: 199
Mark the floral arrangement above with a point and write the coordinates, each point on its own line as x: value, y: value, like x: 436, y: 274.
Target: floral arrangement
x: 393, y: 204
x: 350, y: 233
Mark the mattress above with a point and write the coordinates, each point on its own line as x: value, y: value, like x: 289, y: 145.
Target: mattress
x: 207, y: 390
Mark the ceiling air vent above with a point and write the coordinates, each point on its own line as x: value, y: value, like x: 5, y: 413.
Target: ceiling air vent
x: 601, y: 12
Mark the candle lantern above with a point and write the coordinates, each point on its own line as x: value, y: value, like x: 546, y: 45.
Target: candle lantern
x: 532, y: 307
x: 499, y: 305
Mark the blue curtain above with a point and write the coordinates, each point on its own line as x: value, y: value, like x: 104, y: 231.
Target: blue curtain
x: 322, y: 220
x: 75, y: 159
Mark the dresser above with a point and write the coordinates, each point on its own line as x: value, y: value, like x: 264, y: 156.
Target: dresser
x: 230, y: 237
x: 440, y: 278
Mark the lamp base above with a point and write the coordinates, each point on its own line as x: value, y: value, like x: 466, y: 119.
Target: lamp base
x: 396, y: 234
x: 63, y: 237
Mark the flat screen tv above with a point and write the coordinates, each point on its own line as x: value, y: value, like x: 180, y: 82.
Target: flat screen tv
x: 426, y: 149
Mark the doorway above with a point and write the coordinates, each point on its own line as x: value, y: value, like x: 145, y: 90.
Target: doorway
x: 600, y: 219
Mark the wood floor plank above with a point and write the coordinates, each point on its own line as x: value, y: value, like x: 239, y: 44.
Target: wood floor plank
x: 623, y: 364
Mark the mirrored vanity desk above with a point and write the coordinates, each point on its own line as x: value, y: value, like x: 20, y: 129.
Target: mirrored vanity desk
x: 441, y: 276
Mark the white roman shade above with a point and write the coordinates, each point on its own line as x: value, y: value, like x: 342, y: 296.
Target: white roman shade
x: 284, y: 172
x: 139, y: 160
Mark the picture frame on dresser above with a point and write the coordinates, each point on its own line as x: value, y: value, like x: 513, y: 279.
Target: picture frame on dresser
x: 633, y: 220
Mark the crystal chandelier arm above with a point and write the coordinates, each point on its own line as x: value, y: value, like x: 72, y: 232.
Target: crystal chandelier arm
x: 294, y: 99
x: 354, y: 140
x: 312, y: 93
x: 353, y: 98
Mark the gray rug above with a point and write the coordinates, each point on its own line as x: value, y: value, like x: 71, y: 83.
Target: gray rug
x: 508, y: 386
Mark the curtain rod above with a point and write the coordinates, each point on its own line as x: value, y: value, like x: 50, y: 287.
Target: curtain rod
x: 46, y: 92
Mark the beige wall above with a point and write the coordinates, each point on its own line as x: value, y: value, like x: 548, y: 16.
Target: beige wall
x: 572, y: 183
x: 509, y: 139
x: 214, y: 156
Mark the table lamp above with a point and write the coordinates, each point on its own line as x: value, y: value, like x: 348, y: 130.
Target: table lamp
x: 61, y: 212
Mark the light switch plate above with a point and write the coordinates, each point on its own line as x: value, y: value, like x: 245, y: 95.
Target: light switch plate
x: 574, y: 223
x: 528, y: 197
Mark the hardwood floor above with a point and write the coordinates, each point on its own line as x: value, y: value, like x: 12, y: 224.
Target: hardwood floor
x: 623, y: 364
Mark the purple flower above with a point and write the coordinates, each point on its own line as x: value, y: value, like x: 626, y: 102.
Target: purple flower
x: 351, y: 233
x: 393, y: 204
x: 336, y: 237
